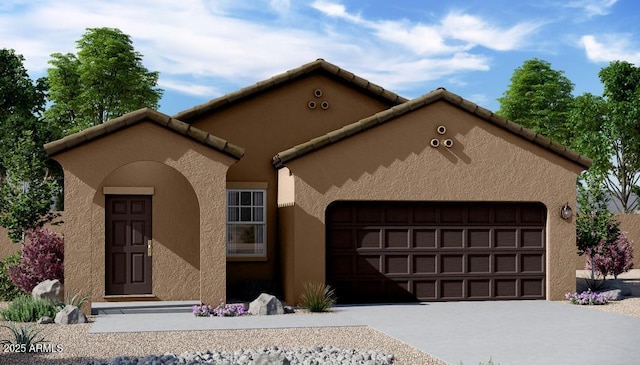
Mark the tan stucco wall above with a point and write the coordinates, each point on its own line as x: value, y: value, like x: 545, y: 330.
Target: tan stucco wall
x: 630, y: 223
x: 395, y: 162
x: 169, y: 162
x: 272, y: 122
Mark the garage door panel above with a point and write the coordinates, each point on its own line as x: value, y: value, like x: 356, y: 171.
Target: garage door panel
x: 451, y: 264
x: 425, y: 289
x: 533, y: 288
x: 368, y: 238
x: 396, y: 264
x: 452, y: 289
x: 505, y: 263
x: 506, y: 288
x: 424, y: 264
x: 532, y: 263
x: 478, y: 238
x: 532, y: 238
x: 397, y: 215
x: 340, y: 238
x: 425, y: 214
x: 505, y: 238
x: 424, y: 238
x: 479, y: 289
x: 401, y: 251
x: 479, y: 264
x: 396, y: 238
x: 452, y: 238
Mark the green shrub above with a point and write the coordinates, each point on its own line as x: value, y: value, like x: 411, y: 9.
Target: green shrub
x: 27, y: 309
x: 23, y: 338
x: 8, y: 290
x: 317, y: 297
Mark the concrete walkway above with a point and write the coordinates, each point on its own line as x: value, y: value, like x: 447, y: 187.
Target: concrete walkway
x: 511, y: 332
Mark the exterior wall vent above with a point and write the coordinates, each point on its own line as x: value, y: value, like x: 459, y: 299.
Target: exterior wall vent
x: 317, y: 93
x: 312, y: 104
x: 441, y: 129
x: 324, y: 105
x: 448, y: 143
x: 435, y: 142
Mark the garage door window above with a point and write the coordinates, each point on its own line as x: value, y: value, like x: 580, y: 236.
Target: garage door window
x: 246, y: 223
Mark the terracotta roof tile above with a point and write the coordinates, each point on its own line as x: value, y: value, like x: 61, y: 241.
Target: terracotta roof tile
x: 265, y: 85
x: 396, y: 111
x: 141, y: 115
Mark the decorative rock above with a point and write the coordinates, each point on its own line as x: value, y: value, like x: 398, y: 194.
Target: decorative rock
x: 45, y: 320
x: 271, y: 359
x: 48, y: 289
x: 70, y: 315
x: 266, y: 304
x: 612, y: 284
x: 613, y: 294
x: 289, y: 309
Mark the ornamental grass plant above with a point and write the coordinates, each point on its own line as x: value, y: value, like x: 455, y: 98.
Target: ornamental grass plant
x: 24, y: 337
x: 317, y: 297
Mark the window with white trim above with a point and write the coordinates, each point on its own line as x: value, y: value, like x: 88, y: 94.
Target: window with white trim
x: 246, y: 222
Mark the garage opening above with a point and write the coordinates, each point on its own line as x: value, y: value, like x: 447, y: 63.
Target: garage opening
x: 435, y: 251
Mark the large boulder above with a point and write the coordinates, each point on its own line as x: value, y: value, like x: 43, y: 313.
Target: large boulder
x: 266, y: 304
x: 48, y: 289
x: 70, y: 315
x: 271, y: 359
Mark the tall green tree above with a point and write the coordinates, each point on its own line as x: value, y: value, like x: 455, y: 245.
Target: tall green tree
x: 104, y: 80
x: 540, y: 99
x: 621, y: 127
x: 22, y: 101
x: 28, y: 189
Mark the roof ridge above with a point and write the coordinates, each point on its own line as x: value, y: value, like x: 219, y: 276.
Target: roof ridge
x: 287, y: 76
x: 440, y: 93
x: 175, y: 125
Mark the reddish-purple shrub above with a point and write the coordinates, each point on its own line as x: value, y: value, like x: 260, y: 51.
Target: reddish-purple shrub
x: 42, y: 258
x: 613, y: 259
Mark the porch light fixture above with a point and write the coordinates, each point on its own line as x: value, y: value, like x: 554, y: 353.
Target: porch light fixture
x: 565, y: 211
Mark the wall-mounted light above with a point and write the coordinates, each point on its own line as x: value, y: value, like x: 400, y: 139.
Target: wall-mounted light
x: 565, y: 211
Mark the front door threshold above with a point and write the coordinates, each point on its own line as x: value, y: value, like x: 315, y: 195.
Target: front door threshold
x: 130, y: 298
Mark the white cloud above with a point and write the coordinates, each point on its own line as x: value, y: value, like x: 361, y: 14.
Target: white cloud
x: 475, y: 31
x: 592, y: 7
x: 610, y: 47
x: 189, y: 88
x: 232, y: 43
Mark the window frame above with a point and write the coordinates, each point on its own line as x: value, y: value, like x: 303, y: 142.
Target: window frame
x: 258, y: 253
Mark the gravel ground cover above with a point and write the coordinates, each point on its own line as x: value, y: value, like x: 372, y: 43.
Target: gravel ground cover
x: 81, y: 347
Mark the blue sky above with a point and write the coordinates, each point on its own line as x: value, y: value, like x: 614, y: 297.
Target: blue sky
x: 207, y: 48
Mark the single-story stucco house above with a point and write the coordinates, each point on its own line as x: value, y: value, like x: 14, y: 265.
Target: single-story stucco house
x: 318, y: 175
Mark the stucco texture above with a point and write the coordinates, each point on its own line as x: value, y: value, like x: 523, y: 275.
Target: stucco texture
x: 188, y: 216
x: 394, y: 161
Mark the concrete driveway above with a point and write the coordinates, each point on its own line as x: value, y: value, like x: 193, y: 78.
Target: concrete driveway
x: 510, y: 332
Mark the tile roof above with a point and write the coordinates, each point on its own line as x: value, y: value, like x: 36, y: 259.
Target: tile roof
x: 145, y: 114
x: 317, y: 143
x: 318, y: 65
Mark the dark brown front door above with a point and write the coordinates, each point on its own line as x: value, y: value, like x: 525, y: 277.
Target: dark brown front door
x: 436, y: 251
x: 127, y: 231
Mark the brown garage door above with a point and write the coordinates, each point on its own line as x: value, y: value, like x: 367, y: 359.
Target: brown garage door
x: 428, y: 251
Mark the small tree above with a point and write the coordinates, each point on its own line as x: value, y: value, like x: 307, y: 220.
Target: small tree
x: 42, y: 258
x: 614, y: 259
x: 596, y: 228
x: 27, y: 191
